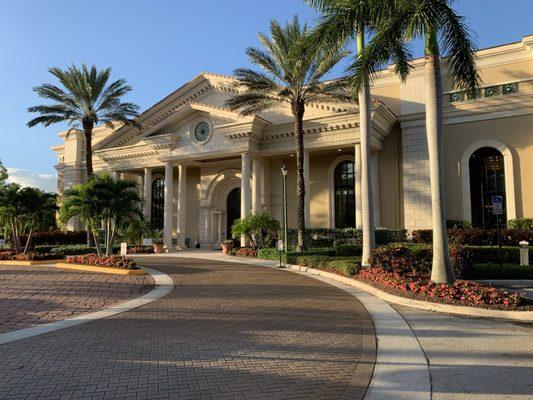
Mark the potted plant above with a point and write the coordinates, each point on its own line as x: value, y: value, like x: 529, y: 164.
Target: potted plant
x: 157, y: 241
x: 227, y: 245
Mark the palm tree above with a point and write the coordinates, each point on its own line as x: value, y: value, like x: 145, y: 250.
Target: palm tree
x: 38, y: 207
x: 122, y: 205
x: 102, y: 200
x: 437, y: 24
x: 342, y: 22
x: 86, y: 201
x: 85, y: 101
x: 290, y: 72
x: 12, y: 211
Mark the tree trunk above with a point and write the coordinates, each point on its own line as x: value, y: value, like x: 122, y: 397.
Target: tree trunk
x: 28, y: 240
x: 14, y: 233
x: 88, y: 131
x: 441, y: 271
x: 95, y: 237
x: 367, y: 206
x: 298, y: 112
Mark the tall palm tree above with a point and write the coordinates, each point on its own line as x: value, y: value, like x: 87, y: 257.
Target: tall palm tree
x: 290, y: 72
x: 438, y: 25
x: 86, y: 100
x: 341, y: 22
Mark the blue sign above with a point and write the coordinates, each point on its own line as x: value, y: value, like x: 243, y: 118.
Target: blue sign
x: 497, y: 205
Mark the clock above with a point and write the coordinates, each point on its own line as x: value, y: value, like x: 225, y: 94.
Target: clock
x: 202, y: 131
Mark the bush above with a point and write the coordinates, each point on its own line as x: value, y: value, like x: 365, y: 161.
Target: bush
x: 141, y: 250
x: 458, y: 224
x: 269, y: 254
x: 243, y: 252
x: 67, y: 250
x: 344, y: 266
x: 259, y: 229
x: 403, y: 259
x: 477, y: 237
x: 345, y: 250
x: 6, y: 254
x: 55, y: 238
x: 494, y: 271
x: 110, y: 261
x: 489, y: 254
x: 36, y: 257
x: 462, y: 292
x: 524, y: 224
x: 329, y: 237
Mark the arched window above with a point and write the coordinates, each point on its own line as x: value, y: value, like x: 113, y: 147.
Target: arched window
x: 344, y: 190
x: 487, y: 179
x: 158, y: 203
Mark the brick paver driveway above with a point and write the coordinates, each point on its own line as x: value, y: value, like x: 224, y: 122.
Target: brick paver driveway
x: 227, y: 331
x: 38, y: 294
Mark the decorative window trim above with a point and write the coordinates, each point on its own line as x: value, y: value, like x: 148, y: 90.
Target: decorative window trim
x: 331, y: 185
x: 193, y: 128
x: 509, y: 176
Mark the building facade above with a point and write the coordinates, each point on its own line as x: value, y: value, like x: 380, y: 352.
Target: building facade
x: 200, y: 166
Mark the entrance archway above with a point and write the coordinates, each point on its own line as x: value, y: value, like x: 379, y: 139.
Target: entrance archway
x: 233, y: 209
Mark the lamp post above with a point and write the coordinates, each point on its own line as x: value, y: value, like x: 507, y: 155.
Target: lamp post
x: 284, y: 175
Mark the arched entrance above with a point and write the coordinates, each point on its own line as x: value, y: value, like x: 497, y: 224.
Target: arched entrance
x: 487, y: 179
x: 233, y: 209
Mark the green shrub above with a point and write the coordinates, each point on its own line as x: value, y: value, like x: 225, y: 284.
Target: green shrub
x: 489, y: 254
x: 521, y: 223
x: 330, y: 237
x: 494, y: 271
x: 458, y: 224
x: 344, y: 266
x: 67, y: 250
x: 349, y: 250
x: 269, y: 254
x: 477, y: 237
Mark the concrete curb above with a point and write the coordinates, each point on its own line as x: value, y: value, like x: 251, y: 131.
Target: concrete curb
x: 401, y: 371
x: 163, y: 286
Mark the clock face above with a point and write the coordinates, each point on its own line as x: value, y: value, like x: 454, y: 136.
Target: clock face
x: 202, y: 131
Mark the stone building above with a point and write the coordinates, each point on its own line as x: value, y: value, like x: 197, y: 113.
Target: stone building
x: 200, y: 166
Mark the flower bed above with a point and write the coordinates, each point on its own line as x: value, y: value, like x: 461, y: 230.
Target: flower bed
x: 110, y: 261
x: 243, y: 252
x: 36, y: 257
x: 464, y: 293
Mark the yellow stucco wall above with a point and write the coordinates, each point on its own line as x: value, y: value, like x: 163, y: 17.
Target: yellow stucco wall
x: 515, y: 132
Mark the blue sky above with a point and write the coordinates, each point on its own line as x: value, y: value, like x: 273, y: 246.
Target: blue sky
x: 156, y: 45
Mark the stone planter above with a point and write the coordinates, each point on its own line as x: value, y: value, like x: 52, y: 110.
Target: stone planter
x: 158, y: 247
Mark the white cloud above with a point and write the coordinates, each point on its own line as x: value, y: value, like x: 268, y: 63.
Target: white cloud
x: 46, y: 182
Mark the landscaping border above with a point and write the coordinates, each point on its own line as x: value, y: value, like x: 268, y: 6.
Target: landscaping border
x: 163, y: 285
x: 96, y: 268
x: 29, y: 263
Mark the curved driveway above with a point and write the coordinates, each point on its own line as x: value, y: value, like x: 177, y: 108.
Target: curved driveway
x: 227, y: 331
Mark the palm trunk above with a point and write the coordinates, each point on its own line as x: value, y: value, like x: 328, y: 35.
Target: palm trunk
x: 16, y: 238
x: 28, y: 241
x: 88, y: 132
x: 110, y: 238
x: 95, y: 237
x: 367, y: 210
x: 441, y: 271
x: 298, y: 112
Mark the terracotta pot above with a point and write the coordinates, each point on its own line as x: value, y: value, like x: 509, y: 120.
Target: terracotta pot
x: 158, y: 247
x: 226, y: 248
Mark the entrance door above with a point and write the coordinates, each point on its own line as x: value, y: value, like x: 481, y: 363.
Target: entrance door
x: 233, y: 207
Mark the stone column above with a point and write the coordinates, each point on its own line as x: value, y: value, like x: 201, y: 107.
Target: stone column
x: 358, y: 200
x: 245, y: 189
x: 307, y: 190
x: 169, y: 189
x: 147, y: 193
x: 256, y: 186
x: 182, y: 204
x: 115, y: 175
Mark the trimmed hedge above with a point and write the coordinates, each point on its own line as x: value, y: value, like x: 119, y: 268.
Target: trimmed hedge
x: 489, y: 254
x: 67, y: 250
x: 477, y: 237
x: 346, y: 266
x: 494, y: 271
x: 521, y: 224
x: 329, y: 237
x: 345, y: 250
x: 55, y: 238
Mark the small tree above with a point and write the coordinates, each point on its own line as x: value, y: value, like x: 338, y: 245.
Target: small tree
x: 258, y: 229
x: 12, y: 211
x: 38, y: 209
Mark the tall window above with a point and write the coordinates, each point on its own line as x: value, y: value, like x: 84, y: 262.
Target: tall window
x: 487, y: 179
x: 344, y: 182
x: 158, y: 203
